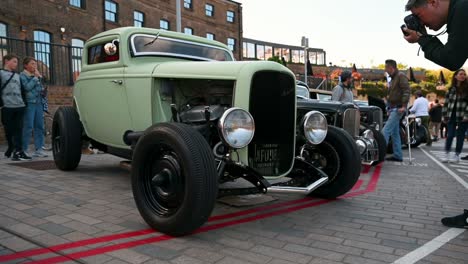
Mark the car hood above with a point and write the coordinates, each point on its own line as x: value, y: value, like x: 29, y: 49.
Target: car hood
x: 323, y: 106
x: 231, y: 70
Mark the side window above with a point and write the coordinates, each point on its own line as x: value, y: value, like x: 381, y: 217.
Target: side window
x: 96, y: 54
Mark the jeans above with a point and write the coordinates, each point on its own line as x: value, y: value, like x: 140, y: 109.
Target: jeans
x: 12, y: 120
x: 33, y: 121
x: 458, y: 132
x: 425, y: 122
x: 392, y: 129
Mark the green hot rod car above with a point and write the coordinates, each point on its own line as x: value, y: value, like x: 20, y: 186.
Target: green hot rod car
x: 190, y: 119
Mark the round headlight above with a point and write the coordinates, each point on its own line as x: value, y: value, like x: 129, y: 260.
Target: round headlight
x: 315, y: 127
x: 237, y: 127
x: 361, y: 146
x: 368, y: 134
x: 418, y: 121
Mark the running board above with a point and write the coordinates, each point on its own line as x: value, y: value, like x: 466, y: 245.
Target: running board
x: 299, y: 190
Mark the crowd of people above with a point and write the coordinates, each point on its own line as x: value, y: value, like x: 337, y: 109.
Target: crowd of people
x: 22, y: 107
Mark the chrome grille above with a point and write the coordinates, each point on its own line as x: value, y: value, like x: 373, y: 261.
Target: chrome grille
x: 378, y: 119
x: 351, y: 122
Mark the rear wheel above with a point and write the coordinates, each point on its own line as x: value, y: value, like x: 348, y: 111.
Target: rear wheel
x: 338, y: 156
x: 174, y: 178
x: 66, y: 138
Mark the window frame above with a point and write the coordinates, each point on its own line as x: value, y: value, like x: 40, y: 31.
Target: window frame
x: 189, y: 3
x: 189, y: 29
x: 106, y: 11
x: 212, y: 34
x: 211, y: 11
x: 82, y: 4
x: 233, y: 17
x: 233, y: 44
x: 167, y: 22
x: 101, y: 44
x: 77, y: 54
x: 142, y: 21
x: 6, y: 29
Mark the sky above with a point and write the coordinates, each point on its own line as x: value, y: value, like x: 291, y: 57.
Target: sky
x: 364, y: 32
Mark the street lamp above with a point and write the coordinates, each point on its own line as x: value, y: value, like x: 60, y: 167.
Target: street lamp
x: 178, y: 16
x: 305, y: 44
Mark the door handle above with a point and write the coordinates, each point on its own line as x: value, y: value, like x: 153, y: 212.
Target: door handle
x: 119, y: 82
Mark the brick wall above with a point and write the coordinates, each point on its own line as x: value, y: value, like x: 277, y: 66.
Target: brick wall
x: 25, y: 16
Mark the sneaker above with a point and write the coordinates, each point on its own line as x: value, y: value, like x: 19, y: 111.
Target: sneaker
x: 455, y: 158
x: 8, y: 153
x: 464, y: 158
x: 445, y: 158
x: 459, y: 221
x: 20, y: 156
x: 40, y: 154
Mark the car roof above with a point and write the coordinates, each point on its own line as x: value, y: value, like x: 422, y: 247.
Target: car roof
x: 128, y: 31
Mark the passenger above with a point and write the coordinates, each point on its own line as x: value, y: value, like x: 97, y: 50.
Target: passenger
x: 455, y: 114
x: 343, y: 92
x: 397, y: 102
x: 421, y: 110
x: 34, y: 114
x: 13, y: 104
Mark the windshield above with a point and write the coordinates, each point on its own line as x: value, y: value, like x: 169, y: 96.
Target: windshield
x: 302, y: 91
x: 149, y: 45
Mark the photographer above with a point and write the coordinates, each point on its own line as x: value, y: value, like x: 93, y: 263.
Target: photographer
x: 434, y: 14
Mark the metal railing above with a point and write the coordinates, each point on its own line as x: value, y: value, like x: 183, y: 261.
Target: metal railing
x: 59, y: 64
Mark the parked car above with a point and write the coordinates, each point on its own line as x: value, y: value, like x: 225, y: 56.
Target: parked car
x: 190, y: 118
x: 364, y: 125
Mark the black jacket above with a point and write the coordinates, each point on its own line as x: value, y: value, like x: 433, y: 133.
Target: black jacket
x: 436, y: 113
x: 454, y: 53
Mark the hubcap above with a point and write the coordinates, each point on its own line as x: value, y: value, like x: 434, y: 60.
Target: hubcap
x: 324, y: 157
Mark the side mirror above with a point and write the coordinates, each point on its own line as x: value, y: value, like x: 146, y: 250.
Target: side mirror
x: 111, y: 47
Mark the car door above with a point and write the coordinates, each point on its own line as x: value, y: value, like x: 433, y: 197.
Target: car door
x: 102, y: 96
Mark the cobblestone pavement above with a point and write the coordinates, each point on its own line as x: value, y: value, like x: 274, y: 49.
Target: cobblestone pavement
x: 89, y: 216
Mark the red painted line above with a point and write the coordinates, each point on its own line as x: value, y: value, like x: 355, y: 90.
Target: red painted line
x: 40, y: 251
x: 88, y: 253
x: 366, y: 169
x: 358, y: 185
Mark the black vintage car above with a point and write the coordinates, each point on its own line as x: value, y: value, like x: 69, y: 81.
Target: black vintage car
x: 362, y: 122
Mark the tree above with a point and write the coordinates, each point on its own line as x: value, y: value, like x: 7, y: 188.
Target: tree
x: 276, y: 59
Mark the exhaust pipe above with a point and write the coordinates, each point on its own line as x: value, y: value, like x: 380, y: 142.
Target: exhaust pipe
x: 130, y: 137
x: 299, y: 190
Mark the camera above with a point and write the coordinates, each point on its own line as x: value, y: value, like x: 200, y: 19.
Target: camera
x: 414, y: 23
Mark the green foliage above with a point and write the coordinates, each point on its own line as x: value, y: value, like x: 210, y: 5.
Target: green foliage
x: 376, y: 89
x: 276, y: 59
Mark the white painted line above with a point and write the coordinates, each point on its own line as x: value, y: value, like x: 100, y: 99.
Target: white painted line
x: 462, y: 171
x: 450, y: 172
x: 429, y: 247
x: 444, y: 238
x: 459, y: 166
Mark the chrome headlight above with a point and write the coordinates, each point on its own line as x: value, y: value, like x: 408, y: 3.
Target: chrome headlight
x: 237, y: 127
x: 362, y: 147
x: 418, y: 121
x: 368, y: 134
x: 315, y: 127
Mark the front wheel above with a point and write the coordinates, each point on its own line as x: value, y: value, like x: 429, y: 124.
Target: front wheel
x: 66, y: 138
x: 174, y: 178
x: 338, y: 156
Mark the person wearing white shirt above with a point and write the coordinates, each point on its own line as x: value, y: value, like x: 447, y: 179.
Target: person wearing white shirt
x: 421, y: 109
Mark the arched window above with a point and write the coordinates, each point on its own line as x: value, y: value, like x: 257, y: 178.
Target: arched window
x: 42, y: 47
x: 77, y: 53
x: 3, y: 30
x: 3, y: 42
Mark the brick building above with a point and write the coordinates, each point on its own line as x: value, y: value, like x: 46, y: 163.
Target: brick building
x: 54, y: 31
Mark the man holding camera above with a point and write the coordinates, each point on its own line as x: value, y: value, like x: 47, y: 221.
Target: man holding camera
x: 434, y: 14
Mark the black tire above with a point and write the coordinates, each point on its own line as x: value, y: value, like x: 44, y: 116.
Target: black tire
x: 379, y: 137
x: 187, y: 190
x: 338, y: 144
x: 421, y: 136
x: 66, y: 138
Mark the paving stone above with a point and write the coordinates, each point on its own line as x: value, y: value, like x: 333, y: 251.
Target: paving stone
x: 26, y: 230
x: 360, y: 260
x: 338, y: 248
x: 204, y: 255
x: 55, y: 229
x: 81, y: 227
x: 246, y: 255
x: 314, y: 252
x: 130, y: 256
x: 16, y: 244
x: 37, y: 212
x: 157, y: 252
x: 83, y: 218
x: 368, y: 246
